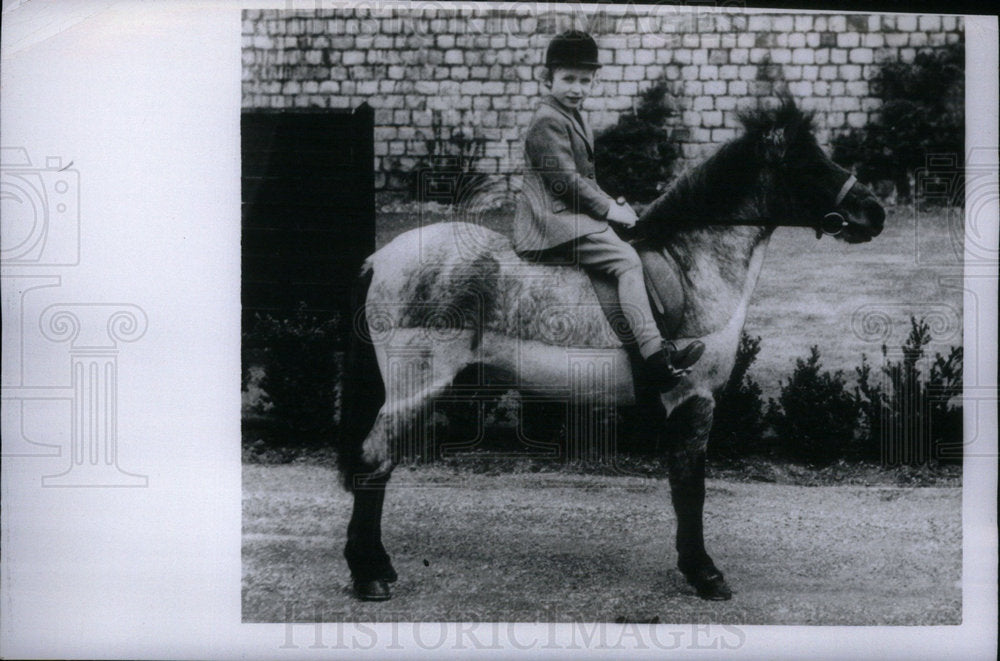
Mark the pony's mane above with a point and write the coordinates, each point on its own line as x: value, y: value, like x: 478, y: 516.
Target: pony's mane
x: 787, y: 116
x: 725, y: 188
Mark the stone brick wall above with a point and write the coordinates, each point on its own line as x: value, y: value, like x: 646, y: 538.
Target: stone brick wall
x: 477, y: 70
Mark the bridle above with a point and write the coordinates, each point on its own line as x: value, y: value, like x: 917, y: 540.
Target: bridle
x: 833, y: 223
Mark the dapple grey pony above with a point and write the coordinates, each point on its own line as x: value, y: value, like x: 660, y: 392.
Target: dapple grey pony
x: 439, y: 299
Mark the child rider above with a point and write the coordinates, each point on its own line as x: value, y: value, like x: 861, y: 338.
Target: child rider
x: 563, y: 210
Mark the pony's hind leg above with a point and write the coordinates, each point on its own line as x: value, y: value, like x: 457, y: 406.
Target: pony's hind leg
x: 690, y: 424
x: 413, y: 376
x: 370, y: 565
x: 414, y: 373
x: 371, y: 568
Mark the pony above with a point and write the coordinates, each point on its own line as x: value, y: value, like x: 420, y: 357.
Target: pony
x: 448, y: 297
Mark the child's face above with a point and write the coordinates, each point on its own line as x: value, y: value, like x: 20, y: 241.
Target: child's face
x: 571, y: 86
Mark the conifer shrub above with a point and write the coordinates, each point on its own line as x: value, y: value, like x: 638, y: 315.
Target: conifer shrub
x: 634, y: 157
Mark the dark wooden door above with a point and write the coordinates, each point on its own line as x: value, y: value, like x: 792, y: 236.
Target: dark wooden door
x: 308, y: 209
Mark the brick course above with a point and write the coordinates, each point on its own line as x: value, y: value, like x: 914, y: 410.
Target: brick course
x: 477, y: 70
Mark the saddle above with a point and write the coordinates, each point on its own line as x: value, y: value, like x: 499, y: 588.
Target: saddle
x: 664, y: 287
x: 664, y: 273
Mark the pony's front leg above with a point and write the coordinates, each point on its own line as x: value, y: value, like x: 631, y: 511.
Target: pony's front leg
x: 691, y: 422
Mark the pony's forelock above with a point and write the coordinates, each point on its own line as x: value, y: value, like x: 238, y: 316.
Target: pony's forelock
x: 785, y: 117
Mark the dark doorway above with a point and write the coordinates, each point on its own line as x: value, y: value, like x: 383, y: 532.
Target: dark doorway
x: 308, y: 223
x: 308, y: 209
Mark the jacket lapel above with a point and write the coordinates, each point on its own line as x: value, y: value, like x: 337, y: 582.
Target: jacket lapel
x: 587, y: 135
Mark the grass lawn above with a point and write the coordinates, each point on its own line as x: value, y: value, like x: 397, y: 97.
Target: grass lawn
x: 818, y: 292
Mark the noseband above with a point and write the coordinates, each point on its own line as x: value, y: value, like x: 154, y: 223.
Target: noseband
x: 834, y: 222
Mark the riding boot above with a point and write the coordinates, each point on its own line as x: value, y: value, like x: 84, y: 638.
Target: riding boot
x: 666, y: 367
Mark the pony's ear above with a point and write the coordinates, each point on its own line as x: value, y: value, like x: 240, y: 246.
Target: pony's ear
x: 773, y: 144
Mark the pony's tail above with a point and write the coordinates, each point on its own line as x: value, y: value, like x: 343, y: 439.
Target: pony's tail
x: 362, y: 387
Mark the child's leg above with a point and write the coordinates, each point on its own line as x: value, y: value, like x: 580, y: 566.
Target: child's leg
x: 607, y: 253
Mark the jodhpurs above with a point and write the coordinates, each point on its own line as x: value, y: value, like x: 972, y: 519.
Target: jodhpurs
x: 605, y: 252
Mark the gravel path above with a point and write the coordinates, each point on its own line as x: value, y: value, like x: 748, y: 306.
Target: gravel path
x: 560, y: 547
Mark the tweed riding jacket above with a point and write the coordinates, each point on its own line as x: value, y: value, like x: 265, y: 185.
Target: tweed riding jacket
x: 560, y: 199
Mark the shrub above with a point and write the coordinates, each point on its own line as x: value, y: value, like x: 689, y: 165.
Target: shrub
x: 907, y: 419
x: 922, y: 115
x: 944, y: 390
x: 635, y: 156
x: 448, y: 173
x: 296, y: 362
x: 739, y: 413
x: 815, y: 416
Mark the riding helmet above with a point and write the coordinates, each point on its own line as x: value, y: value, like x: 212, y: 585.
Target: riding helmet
x: 574, y: 49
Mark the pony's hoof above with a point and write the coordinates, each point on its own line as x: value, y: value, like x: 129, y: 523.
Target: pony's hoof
x: 710, y: 585
x: 374, y: 590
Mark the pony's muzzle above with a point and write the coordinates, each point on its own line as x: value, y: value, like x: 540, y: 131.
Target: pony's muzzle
x: 875, y: 215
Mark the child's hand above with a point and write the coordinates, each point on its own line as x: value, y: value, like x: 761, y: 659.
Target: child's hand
x: 620, y: 212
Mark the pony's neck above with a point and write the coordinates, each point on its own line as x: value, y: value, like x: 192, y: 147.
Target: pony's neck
x: 711, y: 220
x: 725, y: 189
x: 722, y: 266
